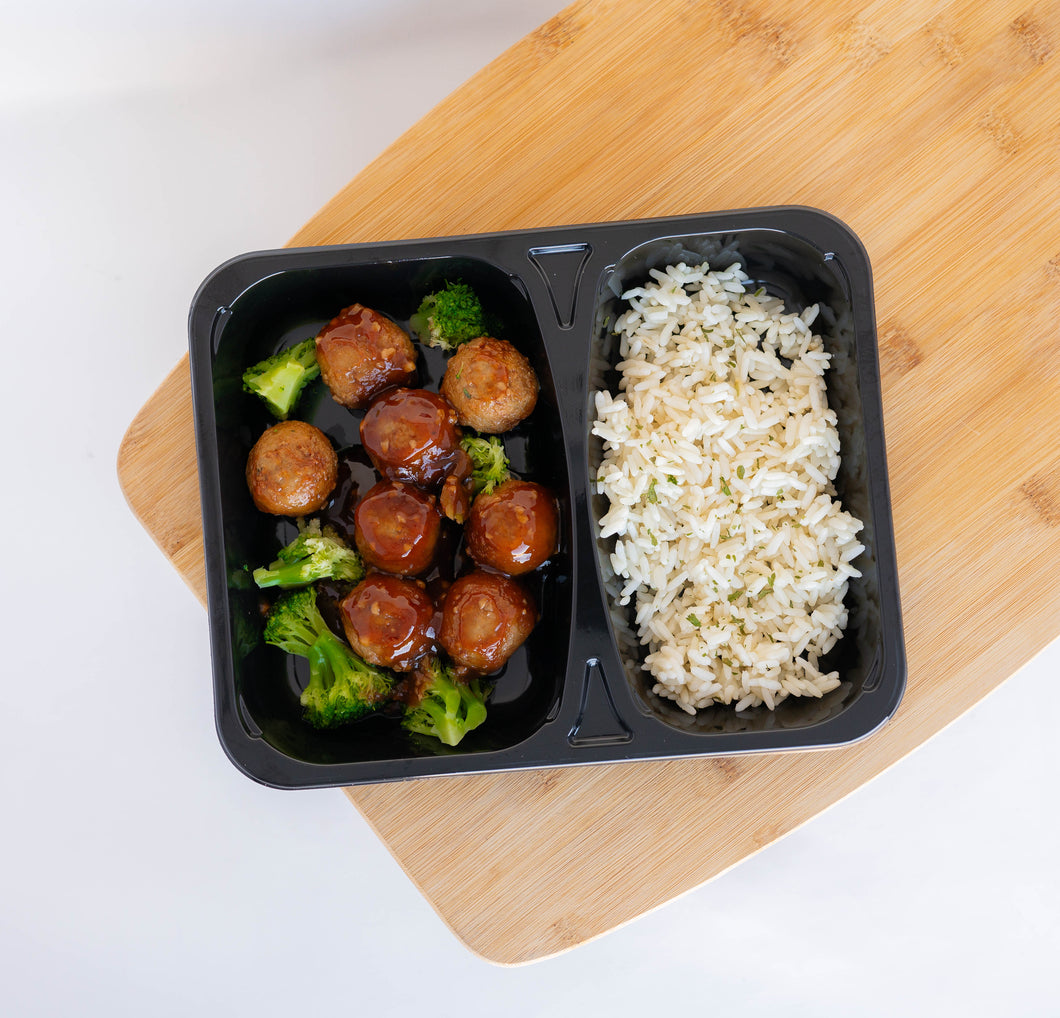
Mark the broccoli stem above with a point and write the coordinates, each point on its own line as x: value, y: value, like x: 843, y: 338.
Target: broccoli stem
x: 280, y: 379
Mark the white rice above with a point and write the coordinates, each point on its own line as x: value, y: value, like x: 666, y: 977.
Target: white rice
x: 719, y: 455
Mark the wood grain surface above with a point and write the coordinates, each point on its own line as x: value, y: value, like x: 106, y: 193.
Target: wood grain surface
x: 933, y: 130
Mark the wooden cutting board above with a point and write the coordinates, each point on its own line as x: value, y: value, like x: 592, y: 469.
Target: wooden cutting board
x: 933, y: 130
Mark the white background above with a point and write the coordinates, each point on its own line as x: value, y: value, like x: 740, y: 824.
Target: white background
x: 140, y: 874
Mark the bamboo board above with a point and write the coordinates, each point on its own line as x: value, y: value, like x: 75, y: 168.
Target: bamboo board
x: 932, y: 129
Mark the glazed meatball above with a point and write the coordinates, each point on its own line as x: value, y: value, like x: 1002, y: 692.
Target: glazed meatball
x: 513, y: 529
x: 362, y: 352
x: 292, y: 469
x: 485, y: 619
x: 389, y: 621
x: 491, y: 385
x: 396, y: 528
x: 411, y: 435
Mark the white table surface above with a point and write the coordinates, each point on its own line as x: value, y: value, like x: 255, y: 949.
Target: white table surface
x: 140, y: 874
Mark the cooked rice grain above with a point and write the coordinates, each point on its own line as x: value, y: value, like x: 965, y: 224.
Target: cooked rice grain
x: 720, y: 454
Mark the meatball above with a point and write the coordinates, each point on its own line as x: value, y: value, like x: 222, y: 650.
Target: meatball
x: 396, y: 528
x: 361, y: 353
x: 292, y: 469
x: 389, y: 621
x: 491, y: 385
x: 411, y: 435
x: 485, y: 619
x: 513, y: 529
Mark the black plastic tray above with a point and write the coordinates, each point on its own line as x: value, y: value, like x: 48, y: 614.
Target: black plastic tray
x: 570, y: 695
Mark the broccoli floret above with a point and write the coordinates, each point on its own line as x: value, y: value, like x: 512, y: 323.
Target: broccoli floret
x: 450, y: 316
x: 294, y: 623
x: 313, y: 555
x: 448, y: 708
x: 488, y: 460
x: 280, y: 379
x: 341, y: 686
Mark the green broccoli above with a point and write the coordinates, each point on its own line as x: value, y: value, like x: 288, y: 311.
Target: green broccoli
x: 450, y: 316
x: 313, y: 555
x: 280, y: 379
x: 341, y: 686
x: 489, y: 462
x: 448, y: 708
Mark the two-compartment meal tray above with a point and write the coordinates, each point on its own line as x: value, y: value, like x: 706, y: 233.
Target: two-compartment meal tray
x: 575, y: 692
